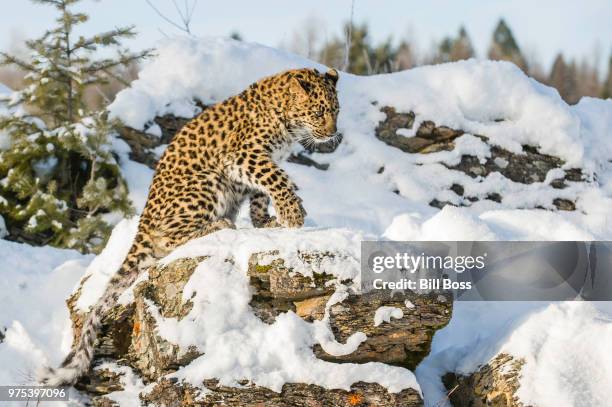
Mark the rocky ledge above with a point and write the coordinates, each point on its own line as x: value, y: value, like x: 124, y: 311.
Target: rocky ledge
x: 130, y: 335
x: 494, y: 385
x: 526, y: 168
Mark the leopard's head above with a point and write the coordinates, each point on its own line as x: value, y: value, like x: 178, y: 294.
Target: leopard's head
x: 313, y: 106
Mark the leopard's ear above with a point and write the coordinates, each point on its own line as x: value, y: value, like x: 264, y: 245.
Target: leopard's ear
x: 331, y: 75
x: 299, y: 86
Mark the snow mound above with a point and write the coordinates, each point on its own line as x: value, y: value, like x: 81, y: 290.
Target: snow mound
x: 380, y: 190
x: 186, y: 69
x: 564, y: 347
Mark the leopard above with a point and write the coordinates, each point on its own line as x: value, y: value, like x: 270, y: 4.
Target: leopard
x: 228, y: 153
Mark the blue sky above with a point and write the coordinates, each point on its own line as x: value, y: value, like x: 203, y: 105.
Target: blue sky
x: 542, y: 27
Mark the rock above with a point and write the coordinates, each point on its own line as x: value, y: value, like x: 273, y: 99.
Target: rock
x: 142, y: 142
x: 526, y: 168
x: 141, y: 145
x: 151, y: 355
x: 564, y: 204
x: 493, y: 385
x: 402, y: 342
x: 129, y: 334
x: 428, y: 138
x: 303, y: 159
x: 292, y: 394
x: 458, y: 189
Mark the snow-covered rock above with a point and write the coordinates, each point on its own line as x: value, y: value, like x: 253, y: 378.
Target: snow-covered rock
x: 273, y: 308
x: 531, y: 354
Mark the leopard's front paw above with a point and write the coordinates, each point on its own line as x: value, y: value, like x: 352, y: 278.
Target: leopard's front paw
x: 272, y: 222
x: 291, y: 213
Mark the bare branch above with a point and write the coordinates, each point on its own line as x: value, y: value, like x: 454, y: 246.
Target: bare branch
x: 159, y: 13
x: 349, y: 35
x: 185, y: 15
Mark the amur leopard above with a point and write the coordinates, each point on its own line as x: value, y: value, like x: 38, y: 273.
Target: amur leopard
x: 223, y: 156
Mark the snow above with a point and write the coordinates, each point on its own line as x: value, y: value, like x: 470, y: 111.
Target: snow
x: 371, y: 191
x: 104, y: 266
x: 565, y: 347
x: 34, y: 285
x: 384, y: 314
x: 136, y: 175
x: 165, y: 86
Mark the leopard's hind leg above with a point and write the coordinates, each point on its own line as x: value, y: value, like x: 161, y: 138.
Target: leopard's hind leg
x: 194, y: 211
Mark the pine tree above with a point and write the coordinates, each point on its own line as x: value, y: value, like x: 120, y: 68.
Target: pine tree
x: 587, y: 80
x: 59, y: 180
x: 360, y: 53
x: 461, y: 47
x: 454, y: 49
x: 443, y: 52
x: 405, y: 56
x: 563, y: 77
x: 504, y: 47
x: 364, y: 58
x: 606, y: 91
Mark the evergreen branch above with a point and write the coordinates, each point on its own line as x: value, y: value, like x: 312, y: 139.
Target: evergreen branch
x: 7, y: 59
x: 116, y: 77
x: 106, y: 38
x: 124, y: 59
x: 56, y: 3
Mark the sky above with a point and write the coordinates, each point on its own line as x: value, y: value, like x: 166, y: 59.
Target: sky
x: 582, y: 29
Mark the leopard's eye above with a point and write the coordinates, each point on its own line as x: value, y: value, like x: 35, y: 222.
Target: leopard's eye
x: 319, y: 113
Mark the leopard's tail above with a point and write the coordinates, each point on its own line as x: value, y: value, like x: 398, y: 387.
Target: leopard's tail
x: 78, y: 361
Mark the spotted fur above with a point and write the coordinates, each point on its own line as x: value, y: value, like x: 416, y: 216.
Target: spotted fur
x: 226, y: 154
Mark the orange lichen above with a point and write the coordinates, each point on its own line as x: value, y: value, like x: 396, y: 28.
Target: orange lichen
x: 355, y: 399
